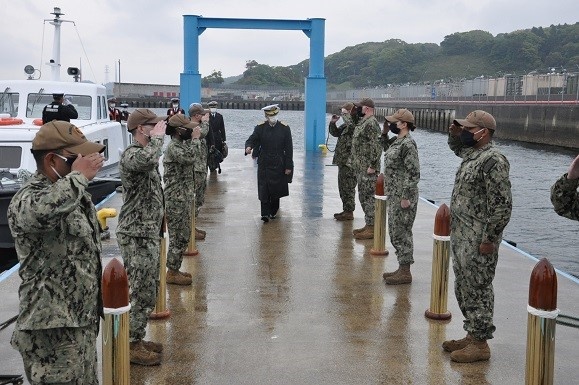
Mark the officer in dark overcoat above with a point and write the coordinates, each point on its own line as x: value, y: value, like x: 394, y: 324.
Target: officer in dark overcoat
x: 271, y: 144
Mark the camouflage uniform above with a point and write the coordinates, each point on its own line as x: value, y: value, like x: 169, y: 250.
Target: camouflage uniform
x: 565, y: 197
x: 139, y: 229
x: 480, y: 209
x: 342, y: 154
x: 200, y: 167
x: 179, y: 191
x: 366, y: 151
x: 57, y: 240
x: 401, y: 177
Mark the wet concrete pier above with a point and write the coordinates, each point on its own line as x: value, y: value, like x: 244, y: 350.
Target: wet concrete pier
x: 299, y: 301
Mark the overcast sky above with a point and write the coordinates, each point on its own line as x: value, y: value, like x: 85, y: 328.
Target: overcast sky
x: 146, y: 36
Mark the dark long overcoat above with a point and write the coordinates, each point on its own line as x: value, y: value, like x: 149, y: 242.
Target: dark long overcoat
x: 272, y: 145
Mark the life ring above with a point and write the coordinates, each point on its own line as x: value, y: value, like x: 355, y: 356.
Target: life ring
x: 10, y: 121
x: 37, y: 122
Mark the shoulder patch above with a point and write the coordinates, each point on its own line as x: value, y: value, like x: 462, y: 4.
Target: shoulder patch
x: 489, y: 164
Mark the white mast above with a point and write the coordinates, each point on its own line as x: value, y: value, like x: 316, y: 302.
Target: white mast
x: 55, y: 61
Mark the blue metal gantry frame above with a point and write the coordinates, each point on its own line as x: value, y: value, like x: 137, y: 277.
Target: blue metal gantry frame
x: 315, y: 86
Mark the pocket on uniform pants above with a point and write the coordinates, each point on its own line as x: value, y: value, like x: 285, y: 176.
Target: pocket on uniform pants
x: 66, y: 368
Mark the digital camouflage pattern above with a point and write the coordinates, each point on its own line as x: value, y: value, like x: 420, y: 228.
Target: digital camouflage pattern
x: 401, y: 177
x: 57, y: 239
x: 366, y: 145
x: 141, y: 260
x: 565, y: 197
x: 179, y: 190
x: 200, y: 166
x: 65, y: 356
x: 480, y: 208
x: 142, y: 210
x: 366, y: 151
x: 139, y: 229
x: 342, y: 158
x: 344, y: 134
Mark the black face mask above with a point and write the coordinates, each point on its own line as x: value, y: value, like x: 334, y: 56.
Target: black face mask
x: 394, y: 128
x: 359, y: 112
x: 467, y: 138
x: 186, y: 135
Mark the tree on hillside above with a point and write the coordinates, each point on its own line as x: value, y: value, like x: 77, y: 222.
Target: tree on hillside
x: 215, y: 78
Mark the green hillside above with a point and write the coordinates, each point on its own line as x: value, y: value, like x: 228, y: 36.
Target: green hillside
x: 460, y: 55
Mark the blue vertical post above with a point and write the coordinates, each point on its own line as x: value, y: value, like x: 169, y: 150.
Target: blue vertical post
x: 190, y: 79
x: 315, y: 116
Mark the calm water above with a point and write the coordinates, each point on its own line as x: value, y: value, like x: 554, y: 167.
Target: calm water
x: 534, y: 226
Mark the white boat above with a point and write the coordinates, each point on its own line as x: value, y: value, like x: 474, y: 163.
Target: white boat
x: 21, y: 105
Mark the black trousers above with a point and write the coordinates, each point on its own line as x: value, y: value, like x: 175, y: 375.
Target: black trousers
x: 269, y: 207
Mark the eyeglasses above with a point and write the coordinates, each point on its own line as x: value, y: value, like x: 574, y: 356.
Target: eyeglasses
x: 68, y: 159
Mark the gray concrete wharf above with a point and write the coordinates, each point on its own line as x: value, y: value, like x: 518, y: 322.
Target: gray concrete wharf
x: 299, y: 301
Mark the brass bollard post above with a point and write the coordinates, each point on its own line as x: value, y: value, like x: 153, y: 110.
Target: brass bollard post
x: 115, y: 329
x: 440, y: 265
x: 379, y: 219
x: 192, y: 246
x: 161, y: 310
x: 541, y: 322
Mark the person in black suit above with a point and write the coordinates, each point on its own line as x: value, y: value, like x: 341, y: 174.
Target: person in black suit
x: 215, y: 138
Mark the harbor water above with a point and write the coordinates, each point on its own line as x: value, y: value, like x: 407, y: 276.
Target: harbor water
x: 534, y: 226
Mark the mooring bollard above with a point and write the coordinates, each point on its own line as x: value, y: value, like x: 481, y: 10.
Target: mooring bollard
x: 379, y: 219
x: 161, y: 310
x: 115, y: 331
x: 541, y: 322
x: 192, y: 246
x: 440, y: 265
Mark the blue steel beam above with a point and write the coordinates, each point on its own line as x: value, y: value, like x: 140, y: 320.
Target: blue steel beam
x: 315, y: 83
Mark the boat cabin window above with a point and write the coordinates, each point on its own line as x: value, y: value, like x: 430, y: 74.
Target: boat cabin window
x: 9, y: 103
x: 10, y: 156
x: 37, y: 102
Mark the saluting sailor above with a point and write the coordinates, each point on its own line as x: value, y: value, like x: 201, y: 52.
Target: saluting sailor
x: 59, y: 109
x: 271, y: 143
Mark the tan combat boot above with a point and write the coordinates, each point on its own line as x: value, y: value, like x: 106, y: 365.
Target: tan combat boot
x: 152, y: 346
x: 390, y: 274
x: 199, y: 235
x: 356, y: 231
x: 400, y: 277
x: 336, y: 215
x: 476, y: 350
x: 141, y: 356
x: 345, y: 216
x: 367, y: 233
x: 452, y: 345
x: 174, y: 277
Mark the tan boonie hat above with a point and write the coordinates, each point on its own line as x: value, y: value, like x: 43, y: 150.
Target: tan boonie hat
x: 402, y: 115
x: 58, y: 135
x: 478, y: 118
x: 142, y: 116
x: 180, y: 120
x: 366, y: 102
x: 348, y: 106
x: 271, y: 110
x: 197, y: 109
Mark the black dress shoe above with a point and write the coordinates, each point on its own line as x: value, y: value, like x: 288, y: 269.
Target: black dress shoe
x: 271, y: 216
x: 265, y: 219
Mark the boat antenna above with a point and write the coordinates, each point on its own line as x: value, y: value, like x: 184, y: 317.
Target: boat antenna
x: 54, y: 63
